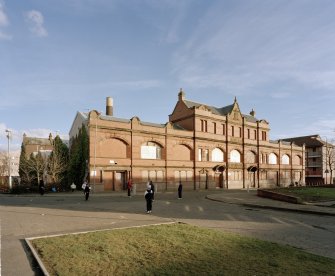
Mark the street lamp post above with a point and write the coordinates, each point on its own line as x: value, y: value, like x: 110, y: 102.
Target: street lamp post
x: 9, y: 133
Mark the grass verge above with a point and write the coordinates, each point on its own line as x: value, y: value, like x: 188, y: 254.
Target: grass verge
x: 174, y: 249
x: 309, y: 194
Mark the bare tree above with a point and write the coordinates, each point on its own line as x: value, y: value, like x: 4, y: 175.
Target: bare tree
x: 330, y: 159
x: 37, y: 166
x: 3, y: 163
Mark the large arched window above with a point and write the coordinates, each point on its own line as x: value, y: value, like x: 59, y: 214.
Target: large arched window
x: 272, y: 159
x: 151, y: 150
x: 235, y: 156
x: 285, y: 159
x: 217, y: 155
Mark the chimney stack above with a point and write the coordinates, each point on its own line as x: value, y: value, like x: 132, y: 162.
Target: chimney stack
x: 181, y: 95
x: 109, y: 106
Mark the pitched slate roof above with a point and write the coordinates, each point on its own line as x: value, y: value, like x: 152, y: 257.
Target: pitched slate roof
x: 309, y: 141
x: 223, y: 111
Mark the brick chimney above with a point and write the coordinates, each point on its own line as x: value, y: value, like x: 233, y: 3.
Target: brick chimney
x: 109, y: 106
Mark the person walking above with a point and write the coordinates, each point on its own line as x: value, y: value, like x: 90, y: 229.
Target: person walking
x: 180, y: 190
x: 129, y: 186
x: 73, y: 187
x: 148, y: 198
x: 84, y: 186
x: 152, y: 187
x: 41, y: 187
x: 87, y: 191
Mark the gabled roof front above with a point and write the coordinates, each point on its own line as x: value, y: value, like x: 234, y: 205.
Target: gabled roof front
x: 223, y: 111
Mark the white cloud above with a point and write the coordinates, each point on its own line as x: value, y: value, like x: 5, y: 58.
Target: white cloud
x: 4, y: 22
x: 35, y: 20
x: 248, y: 49
x: 3, y: 17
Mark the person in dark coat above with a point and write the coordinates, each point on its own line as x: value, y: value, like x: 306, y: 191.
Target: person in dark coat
x: 148, y: 197
x: 152, y: 187
x: 129, y: 186
x: 41, y: 187
x: 87, y: 191
x: 180, y: 190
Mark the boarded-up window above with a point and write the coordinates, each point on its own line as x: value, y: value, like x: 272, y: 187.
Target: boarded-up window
x: 150, y: 150
x: 181, y: 152
x: 250, y: 157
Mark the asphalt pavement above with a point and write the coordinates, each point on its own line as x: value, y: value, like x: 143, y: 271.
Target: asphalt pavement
x: 31, y: 217
x: 250, y: 199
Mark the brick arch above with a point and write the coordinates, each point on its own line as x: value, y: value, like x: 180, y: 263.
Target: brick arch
x: 113, y: 147
x: 153, y: 141
x: 273, y: 158
x: 250, y: 157
x: 285, y: 159
x: 297, y: 160
x: 235, y: 156
x: 181, y: 152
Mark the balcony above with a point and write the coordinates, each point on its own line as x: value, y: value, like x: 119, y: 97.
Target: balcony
x: 313, y: 154
x: 313, y: 164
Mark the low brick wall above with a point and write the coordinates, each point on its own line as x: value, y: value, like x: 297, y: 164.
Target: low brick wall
x: 277, y: 196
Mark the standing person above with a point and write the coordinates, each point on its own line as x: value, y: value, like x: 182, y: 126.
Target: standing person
x: 42, y: 187
x: 87, y: 191
x: 73, y: 187
x: 180, y: 190
x: 129, y: 186
x: 152, y: 187
x: 148, y: 198
x: 84, y: 186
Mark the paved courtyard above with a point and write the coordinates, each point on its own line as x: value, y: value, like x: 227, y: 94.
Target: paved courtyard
x: 34, y: 215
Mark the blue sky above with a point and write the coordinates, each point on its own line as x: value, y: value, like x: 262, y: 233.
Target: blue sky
x: 60, y: 57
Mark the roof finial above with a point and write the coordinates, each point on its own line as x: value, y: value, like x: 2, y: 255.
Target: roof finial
x: 235, y: 100
x: 181, y: 95
x: 252, y: 113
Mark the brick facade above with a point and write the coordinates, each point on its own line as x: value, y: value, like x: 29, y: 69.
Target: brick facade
x: 201, y: 146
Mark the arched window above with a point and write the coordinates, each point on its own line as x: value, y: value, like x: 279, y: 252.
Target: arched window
x: 235, y: 156
x: 151, y: 150
x: 217, y: 155
x: 285, y: 159
x: 272, y: 159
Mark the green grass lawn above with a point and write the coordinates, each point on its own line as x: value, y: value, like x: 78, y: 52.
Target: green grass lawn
x: 309, y: 194
x: 174, y: 249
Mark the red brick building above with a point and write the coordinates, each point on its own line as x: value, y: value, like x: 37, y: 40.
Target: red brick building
x: 320, y: 159
x: 202, y: 146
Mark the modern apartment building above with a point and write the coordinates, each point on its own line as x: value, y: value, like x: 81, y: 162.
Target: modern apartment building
x: 202, y: 146
x: 320, y: 159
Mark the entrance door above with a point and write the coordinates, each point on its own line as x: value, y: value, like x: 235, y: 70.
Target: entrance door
x: 114, y: 181
x: 219, y: 180
x: 120, y: 181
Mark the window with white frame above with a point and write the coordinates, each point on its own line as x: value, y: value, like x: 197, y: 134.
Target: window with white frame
x: 285, y: 159
x: 199, y: 154
x: 235, y: 156
x: 217, y: 155
x: 272, y: 159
